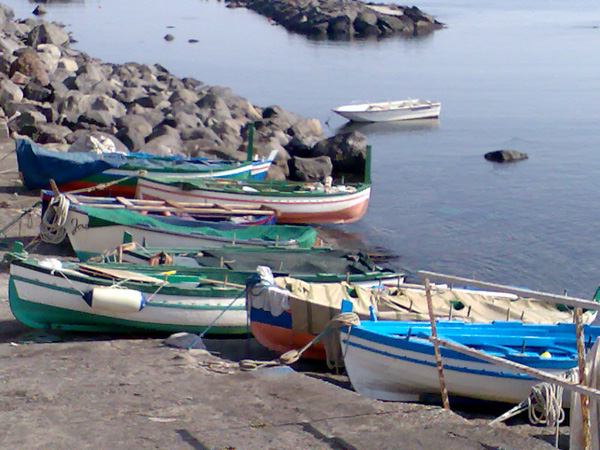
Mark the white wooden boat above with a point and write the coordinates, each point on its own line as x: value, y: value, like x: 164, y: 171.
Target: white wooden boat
x: 395, y: 361
x: 389, y: 111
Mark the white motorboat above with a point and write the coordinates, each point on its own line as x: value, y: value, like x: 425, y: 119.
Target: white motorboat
x: 389, y: 111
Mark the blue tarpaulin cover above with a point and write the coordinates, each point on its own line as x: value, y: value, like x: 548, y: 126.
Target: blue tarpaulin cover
x: 37, y: 165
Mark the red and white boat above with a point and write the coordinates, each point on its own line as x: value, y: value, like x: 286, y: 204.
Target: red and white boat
x: 295, y: 202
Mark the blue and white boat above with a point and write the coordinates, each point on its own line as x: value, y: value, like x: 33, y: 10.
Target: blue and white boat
x: 395, y: 361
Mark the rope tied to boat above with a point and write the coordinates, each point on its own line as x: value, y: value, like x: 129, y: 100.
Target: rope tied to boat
x: 332, y: 347
x: 52, y: 226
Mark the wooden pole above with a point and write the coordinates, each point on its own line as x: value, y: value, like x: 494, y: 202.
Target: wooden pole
x: 550, y: 298
x: 585, y: 410
x: 436, y: 346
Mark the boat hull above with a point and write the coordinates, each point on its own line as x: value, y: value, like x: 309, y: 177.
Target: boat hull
x: 127, y: 187
x: 407, y: 370
x: 292, y: 210
x: 40, y: 299
x: 92, y: 241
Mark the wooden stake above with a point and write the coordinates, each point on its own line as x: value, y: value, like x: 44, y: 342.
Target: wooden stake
x: 436, y: 346
x: 585, y: 410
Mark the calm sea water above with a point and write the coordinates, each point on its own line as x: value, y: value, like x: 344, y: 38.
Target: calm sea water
x: 510, y: 74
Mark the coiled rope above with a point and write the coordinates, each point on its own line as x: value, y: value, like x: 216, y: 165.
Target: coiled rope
x: 52, y: 226
x: 545, y: 405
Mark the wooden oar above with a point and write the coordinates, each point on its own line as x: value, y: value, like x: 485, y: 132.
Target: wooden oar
x: 223, y: 283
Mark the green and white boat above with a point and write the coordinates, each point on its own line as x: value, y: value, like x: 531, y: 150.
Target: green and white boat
x: 92, y: 231
x: 51, y: 294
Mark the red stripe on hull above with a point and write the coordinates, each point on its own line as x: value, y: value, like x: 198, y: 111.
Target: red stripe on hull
x: 112, y: 191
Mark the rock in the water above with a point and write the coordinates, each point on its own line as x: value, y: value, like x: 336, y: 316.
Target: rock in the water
x: 169, y: 37
x: 39, y: 10
x: 503, y: 156
x: 342, y: 19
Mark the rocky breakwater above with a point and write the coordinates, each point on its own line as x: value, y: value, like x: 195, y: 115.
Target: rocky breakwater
x: 65, y: 99
x: 343, y: 19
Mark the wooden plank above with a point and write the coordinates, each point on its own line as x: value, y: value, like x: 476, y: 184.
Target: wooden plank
x: 222, y: 283
x: 525, y: 293
x: 174, y: 204
x: 225, y: 207
x: 117, y: 274
x: 125, y: 202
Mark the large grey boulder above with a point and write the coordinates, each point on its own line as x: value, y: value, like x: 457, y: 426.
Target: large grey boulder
x: 311, y: 169
x: 213, y: 109
x: 365, y: 24
x: 166, y: 145
x: 51, y: 133
x: 30, y: 64
x: 133, y: 131
x: 9, y: 92
x: 347, y: 152
x: 99, y: 110
x: 34, y: 91
x: 304, y: 134
x: 50, y: 55
x: 277, y: 117
x: 184, y: 96
x: 26, y: 123
x: 47, y: 33
x: 6, y: 15
x: 8, y: 45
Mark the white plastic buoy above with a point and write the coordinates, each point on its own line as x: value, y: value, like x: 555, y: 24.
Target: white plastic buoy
x: 115, y: 300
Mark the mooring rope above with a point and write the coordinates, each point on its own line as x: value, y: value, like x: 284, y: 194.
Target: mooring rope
x: 545, y: 405
x: 341, y: 320
x: 52, y: 226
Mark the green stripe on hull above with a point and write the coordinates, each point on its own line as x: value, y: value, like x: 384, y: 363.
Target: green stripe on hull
x: 40, y: 316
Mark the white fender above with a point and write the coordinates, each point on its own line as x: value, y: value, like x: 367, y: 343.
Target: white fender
x: 115, y: 300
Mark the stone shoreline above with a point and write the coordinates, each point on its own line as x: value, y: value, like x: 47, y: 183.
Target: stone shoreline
x: 62, y: 98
